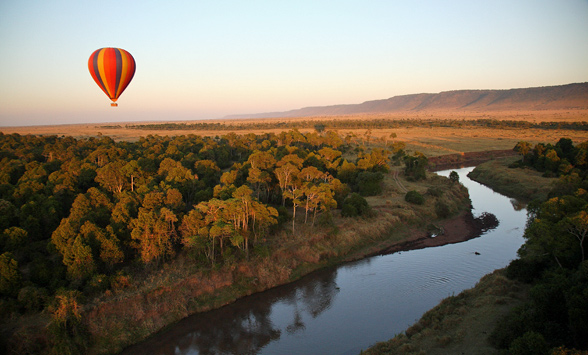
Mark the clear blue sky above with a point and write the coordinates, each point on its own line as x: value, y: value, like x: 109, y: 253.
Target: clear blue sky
x: 210, y: 58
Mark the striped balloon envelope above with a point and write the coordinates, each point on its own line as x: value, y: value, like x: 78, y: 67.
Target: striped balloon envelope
x: 113, y: 70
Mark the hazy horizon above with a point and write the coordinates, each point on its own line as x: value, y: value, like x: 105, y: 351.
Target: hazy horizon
x: 208, y: 60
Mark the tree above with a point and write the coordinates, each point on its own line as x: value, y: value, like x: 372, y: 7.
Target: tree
x: 259, y: 176
x: 319, y: 128
x: 285, y: 175
x: 578, y: 227
x: 376, y: 160
x: 415, y: 166
x: 79, y: 261
x: 213, y: 222
x: 173, y: 171
x: 194, y: 232
x: 355, y: 205
x: 331, y: 157
x: 325, y: 200
x: 14, y: 238
x: 107, y: 242
x: 523, y: 148
x: 370, y: 183
x: 294, y: 192
x: 112, y: 176
x: 68, y: 332
x: 155, y: 232
x: 9, y: 275
x: 454, y: 177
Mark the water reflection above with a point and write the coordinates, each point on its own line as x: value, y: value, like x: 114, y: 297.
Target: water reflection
x: 247, y: 326
x: 486, y: 222
x: 517, y: 205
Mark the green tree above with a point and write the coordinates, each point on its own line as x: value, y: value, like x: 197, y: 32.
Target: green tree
x: 454, y: 177
x: 9, y: 275
x: 14, y: 238
x: 415, y: 166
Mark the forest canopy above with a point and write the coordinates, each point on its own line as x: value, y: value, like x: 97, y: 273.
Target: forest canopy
x: 78, y: 214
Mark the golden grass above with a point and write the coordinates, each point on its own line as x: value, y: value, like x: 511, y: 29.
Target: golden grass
x: 430, y: 141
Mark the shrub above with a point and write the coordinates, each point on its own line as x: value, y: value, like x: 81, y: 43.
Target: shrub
x: 32, y: 298
x: 414, y: 197
x: 283, y: 215
x: 442, y: 209
x: 531, y: 343
x: 524, y: 270
x: 369, y: 183
x: 512, y: 326
x: 355, y: 205
x: 454, y: 176
x: 435, y: 191
x: 349, y: 210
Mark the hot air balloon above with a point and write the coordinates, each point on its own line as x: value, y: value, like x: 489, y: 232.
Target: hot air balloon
x: 112, y: 69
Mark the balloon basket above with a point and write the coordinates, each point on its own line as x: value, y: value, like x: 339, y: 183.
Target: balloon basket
x: 114, y: 104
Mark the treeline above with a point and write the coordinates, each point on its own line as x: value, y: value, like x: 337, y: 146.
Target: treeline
x: 560, y: 159
x: 81, y: 216
x: 553, y: 259
x: 381, y: 123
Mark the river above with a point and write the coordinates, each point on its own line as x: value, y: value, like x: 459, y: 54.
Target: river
x: 346, y: 309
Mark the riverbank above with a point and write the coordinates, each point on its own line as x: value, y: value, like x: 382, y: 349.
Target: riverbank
x: 520, y: 183
x: 460, y: 324
x: 124, y: 317
x: 449, y: 161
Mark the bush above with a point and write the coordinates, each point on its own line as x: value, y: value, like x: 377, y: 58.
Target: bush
x: 370, y: 184
x: 349, y: 210
x: 355, y: 205
x: 442, y: 209
x: 531, y: 343
x: 454, y: 176
x: 283, y: 215
x: 435, y: 191
x: 32, y: 298
x: 524, y: 270
x: 512, y: 326
x: 414, y: 197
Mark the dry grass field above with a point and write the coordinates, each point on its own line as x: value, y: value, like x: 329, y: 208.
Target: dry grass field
x: 432, y: 141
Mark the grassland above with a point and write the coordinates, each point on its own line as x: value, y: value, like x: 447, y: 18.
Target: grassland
x: 431, y: 141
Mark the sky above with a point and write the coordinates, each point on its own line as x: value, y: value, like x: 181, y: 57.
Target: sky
x: 210, y: 58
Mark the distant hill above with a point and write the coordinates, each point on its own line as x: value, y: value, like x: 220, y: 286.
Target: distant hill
x: 562, y: 97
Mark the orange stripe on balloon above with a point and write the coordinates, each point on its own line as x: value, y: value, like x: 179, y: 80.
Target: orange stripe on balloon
x: 102, y: 72
x: 110, y: 70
